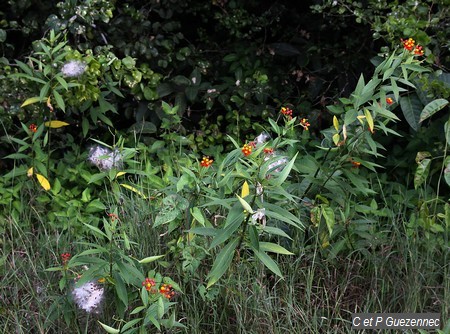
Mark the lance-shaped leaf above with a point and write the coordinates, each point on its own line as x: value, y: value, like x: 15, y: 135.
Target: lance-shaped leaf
x: 55, y: 124
x: 222, y: 262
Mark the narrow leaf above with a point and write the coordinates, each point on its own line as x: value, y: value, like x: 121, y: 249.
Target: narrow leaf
x: 268, y: 262
x: 109, y: 329
x: 31, y: 100
x: 274, y: 248
x: 150, y: 258
x: 222, y: 262
x: 55, y: 124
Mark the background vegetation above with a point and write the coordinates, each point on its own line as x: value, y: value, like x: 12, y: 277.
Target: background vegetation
x: 222, y: 166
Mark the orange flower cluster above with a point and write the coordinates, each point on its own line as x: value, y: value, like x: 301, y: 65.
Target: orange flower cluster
x: 247, y: 149
x: 33, y: 128
x: 268, y: 151
x: 389, y: 100
x: 113, y: 216
x: 304, y: 122
x: 167, y: 291
x: 410, y: 45
x: 149, y: 283
x: 286, y: 111
x: 206, y: 161
x: 355, y: 164
x: 65, y: 257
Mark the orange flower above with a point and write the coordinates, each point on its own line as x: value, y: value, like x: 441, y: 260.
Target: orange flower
x: 65, y: 257
x: 408, y: 44
x: 418, y: 50
x: 268, y: 151
x: 206, y: 161
x: 356, y: 164
x: 149, y: 283
x: 304, y: 122
x: 247, y: 149
x: 113, y: 216
x: 287, y: 112
x: 389, y: 100
x: 33, y: 128
x: 167, y: 291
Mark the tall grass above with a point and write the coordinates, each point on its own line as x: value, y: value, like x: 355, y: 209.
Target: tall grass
x: 317, y: 295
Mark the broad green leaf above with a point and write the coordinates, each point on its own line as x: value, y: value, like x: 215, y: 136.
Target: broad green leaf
x: 150, y: 258
x: 422, y: 172
x: 109, y: 329
x: 268, y: 262
x: 336, y: 109
x: 55, y: 124
x: 222, y: 262
x: 411, y: 108
x: 328, y: 214
x: 274, y: 248
x: 431, y: 108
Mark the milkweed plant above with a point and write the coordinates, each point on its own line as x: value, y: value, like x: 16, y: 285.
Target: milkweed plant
x: 217, y: 209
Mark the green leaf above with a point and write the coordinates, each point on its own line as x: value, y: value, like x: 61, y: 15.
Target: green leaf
x: 447, y: 131
x: 150, y: 258
x: 96, y: 230
x: 328, y: 214
x: 422, y: 172
x: 285, y: 172
x: 273, y: 248
x: 121, y: 289
x: 277, y: 212
x: 268, y: 262
x: 59, y: 100
x: 411, y: 108
x: 130, y: 324
x: 160, y: 309
x: 222, y: 262
x: 32, y: 100
x: 109, y: 329
x: 245, y: 205
x: 431, y: 108
x: 198, y: 216
x: 253, y: 236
